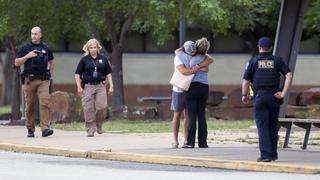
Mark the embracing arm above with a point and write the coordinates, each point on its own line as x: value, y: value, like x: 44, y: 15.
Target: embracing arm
x: 178, y: 50
x: 187, y: 71
x: 204, y: 65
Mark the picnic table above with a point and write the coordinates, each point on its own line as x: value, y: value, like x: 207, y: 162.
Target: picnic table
x: 158, y: 100
x: 303, y: 123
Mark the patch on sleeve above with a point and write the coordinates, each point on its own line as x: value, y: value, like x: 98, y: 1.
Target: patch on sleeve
x: 247, y: 66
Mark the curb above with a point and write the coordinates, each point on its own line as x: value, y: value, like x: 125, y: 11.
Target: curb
x: 164, y: 159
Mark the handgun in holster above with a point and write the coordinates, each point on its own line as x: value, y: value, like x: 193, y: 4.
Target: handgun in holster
x: 23, y: 77
x: 82, y: 83
x: 47, y: 75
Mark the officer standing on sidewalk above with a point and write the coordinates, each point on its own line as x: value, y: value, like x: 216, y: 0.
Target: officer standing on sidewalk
x: 263, y: 71
x: 91, y: 75
x: 37, y: 59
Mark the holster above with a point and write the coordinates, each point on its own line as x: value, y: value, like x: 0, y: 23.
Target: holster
x: 82, y: 84
x: 43, y: 77
x: 22, y: 77
x: 47, y: 75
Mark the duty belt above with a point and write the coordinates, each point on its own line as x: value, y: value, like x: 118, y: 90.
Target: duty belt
x: 95, y: 82
x: 32, y: 77
x: 266, y: 91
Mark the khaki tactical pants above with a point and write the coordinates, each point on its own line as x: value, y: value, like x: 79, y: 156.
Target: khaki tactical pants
x: 94, y: 103
x: 32, y: 89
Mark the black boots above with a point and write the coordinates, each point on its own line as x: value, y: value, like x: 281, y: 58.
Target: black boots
x: 260, y: 159
x: 47, y: 132
x: 30, y: 133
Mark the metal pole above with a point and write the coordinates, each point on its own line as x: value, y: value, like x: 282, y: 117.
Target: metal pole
x: 289, y: 31
x: 182, y: 24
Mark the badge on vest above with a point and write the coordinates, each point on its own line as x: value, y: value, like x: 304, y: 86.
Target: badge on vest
x: 100, y: 61
x: 265, y: 64
x: 95, y: 73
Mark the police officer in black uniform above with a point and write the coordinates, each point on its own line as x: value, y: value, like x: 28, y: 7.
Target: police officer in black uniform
x: 263, y: 71
x: 37, y: 59
x: 92, y: 73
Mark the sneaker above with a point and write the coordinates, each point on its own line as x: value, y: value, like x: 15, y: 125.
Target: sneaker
x: 274, y: 158
x: 260, y: 159
x: 99, y: 130
x: 47, y: 132
x: 187, y: 146
x: 185, y: 142
x: 90, y: 132
x: 203, y: 146
x: 174, y: 145
x: 30, y: 133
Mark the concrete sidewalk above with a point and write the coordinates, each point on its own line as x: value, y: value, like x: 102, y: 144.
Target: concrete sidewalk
x: 155, y: 148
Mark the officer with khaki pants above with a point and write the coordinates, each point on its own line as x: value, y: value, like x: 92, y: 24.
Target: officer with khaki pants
x: 91, y: 75
x: 37, y: 59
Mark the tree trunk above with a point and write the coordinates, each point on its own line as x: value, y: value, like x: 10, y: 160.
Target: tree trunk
x: 117, y: 41
x: 117, y: 76
x: 252, y: 42
x: 11, y: 76
x: 7, y: 86
x: 2, y: 82
x: 91, y: 25
x: 16, y: 95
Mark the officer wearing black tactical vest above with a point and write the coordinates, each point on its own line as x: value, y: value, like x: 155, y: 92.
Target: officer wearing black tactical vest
x: 263, y: 71
x: 37, y: 59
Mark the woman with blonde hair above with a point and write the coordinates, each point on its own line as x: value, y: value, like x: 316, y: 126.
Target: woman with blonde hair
x: 196, y: 98
x: 91, y: 75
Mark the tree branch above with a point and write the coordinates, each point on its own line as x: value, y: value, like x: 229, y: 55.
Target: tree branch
x: 91, y: 25
x: 111, y: 29
x: 125, y: 28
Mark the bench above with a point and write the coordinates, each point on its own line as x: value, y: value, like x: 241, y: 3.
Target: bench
x: 303, y: 123
x: 157, y: 99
